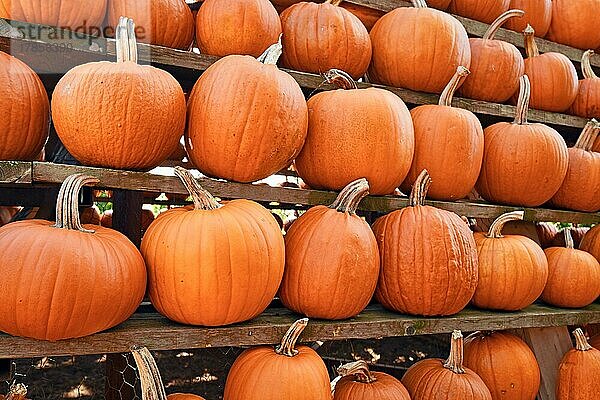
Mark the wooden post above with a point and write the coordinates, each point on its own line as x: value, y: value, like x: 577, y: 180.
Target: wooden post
x: 7, y: 369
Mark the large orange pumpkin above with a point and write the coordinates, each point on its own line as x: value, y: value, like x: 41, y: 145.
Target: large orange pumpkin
x: 433, y: 378
x: 331, y: 259
x: 265, y: 127
x: 214, y: 264
x: 579, y: 371
x: 575, y: 23
x: 479, y: 10
x: 246, y: 27
x: 505, y: 363
x: 587, y: 102
x: 512, y: 269
x: 573, y: 278
x: 286, y: 372
x: 496, y: 66
x: 591, y: 242
x: 167, y: 23
x: 524, y: 163
x: 86, y: 268
x: 24, y: 108
x: 448, y: 144
x: 580, y: 191
x: 142, y: 110
x: 355, y: 133
x: 428, y: 258
x: 554, y: 82
x: 443, y: 46
x: 359, y: 383
x: 538, y: 14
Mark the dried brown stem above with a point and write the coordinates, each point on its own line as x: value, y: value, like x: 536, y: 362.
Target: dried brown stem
x: 523, y: 101
x: 340, y: 79
x: 448, y: 93
x: 531, y: 48
x: 455, y: 361
x: 126, y: 40
x: 272, y: 53
x: 581, y: 342
x: 288, y: 343
x: 359, y: 370
x: 150, y: 379
x: 495, y: 230
x: 67, y: 203
x: 203, y: 200
x: 419, y: 189
x: 586, y: 66
x: 501, y: 20
x: 349, y: 198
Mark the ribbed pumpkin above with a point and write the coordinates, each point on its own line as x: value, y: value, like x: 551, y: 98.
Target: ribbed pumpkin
x: 319, y: 37
x: 591, y: 242
x: 524, y: 163
x: 359, y: 383
x: 428, y: 258
x: 86, y: 268
x: 554, y: 82
x: 587, y: 102
x: 331, y: 259
x: 512, y: 269
x: 496, y: 65
x: 448, y: 144
x: 479, y: 10
x: 538, y: 14
x: 142, y: 113
x: 246, y: 27
x: 579, y: 371
x: 167, y: 23
x: 355, y: 133
x: 265, y: 128
x: 575, y: 23
x: 573, y: 278
x: 6, y: 214
x: 286, y: 372
x: 90, y: 215
x: 547, y: 233
x: 214, y: 264
x: 432, y: 378
x: 368, y: 16
x: 505, y: 363
x: 580, y: 191
x: 25, y: 110
x: 428, y: 67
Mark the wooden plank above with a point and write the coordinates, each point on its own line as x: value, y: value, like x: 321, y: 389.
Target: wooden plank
x: 15, y: 172
x: 157, y: 333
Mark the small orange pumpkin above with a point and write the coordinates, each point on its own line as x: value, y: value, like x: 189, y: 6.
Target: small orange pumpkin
x: 359, y: 383
x: 479, y: 10
x: 575, y: 23
x: 579, y: 371
x: 90, y: 215
x: 587, y: 102
x: 591, y: 242
x: 547, y: 232
x: 538, y: 14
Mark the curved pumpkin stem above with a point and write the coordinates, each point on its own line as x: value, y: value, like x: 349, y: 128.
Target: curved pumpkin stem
x: 531, y: 48
x: 450, y: 89
x: 203, y: 200
x: 272, y: 53
x: 359, y: 369
x: 17, y: 391
x: 67, y: 203
x: 126, y: 41
x: 151, y: 382
x: 569, y: 244
x: 495, y: 230
x: 586, y: 67
x: 581, y: 342
x: 523, y: 101
x: 419, y: 189
x: 288, y: 343
x: 588, y: 136
x: 349, y: 198
x: 340, y: 79
x: 455, y: 361
x: 419, y: 3
x: 501, y: 20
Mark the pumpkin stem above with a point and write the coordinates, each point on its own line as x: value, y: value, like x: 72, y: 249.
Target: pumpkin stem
x: 340, y: 79
x: 288, y: 343
x: 455, y: 361
x: 588, y: 136
x: 493, y: 28
x: 581, y: 342
x: 531, y: 48
x: 203, y: 200
x: 350, y: 196
x: 272, y: 53
x: 126, y: 41
x: 67, y: 203
x: 523, y: 101
x: 419, y: 3
x: 419, y: 189
x: 450, y: 89
x: 495, y: 230
x: 359, y: 369
x: 151, y: 382
x: 586, y: 67
x: 569, y: 244
x: 17, y: 391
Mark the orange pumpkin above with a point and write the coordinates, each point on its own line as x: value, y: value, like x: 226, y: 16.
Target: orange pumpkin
x: 578, y: 232
x: 73, y: 287
x: 143, y: 112
x: 25, y: 110
x: 505, y: 363
x: 286, y: 372
x: 167, y: 23
x: 428, y: 67
x: 267, y: 129
x: 574, y: 276
x: 524, y: 163
x: 443, y: 266
x: 319, y: 37
x: 355, y: 133
x: 580, y: 191
x: 448, y: 143
x: 554, y: 82
x: 575, y: 23
x: 587, y: 102
x: 538, y: 14
x: 246, y: 27
x: 7, y: 213
x: 368, y: 16
x: 547, y: 233
x: 214, y: 264
x: 591, y: 242
x: 331, y: 259
x: 512, y: 269
x: 579, y: 371
x: 479, y: 10
x: 359, y: 383
x: 90, y: 215
x: 426, y: 379
x: 496, y: 66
